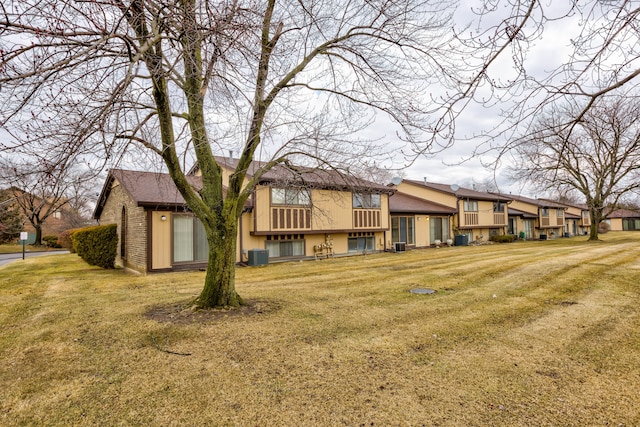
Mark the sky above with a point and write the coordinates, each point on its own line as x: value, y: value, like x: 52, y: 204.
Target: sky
x: 455, y: 165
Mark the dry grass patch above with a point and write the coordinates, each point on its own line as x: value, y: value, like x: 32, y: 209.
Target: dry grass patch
x: 529, y: 333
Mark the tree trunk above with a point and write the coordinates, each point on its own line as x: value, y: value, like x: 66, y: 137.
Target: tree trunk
x: 38, y: 241
x: 219, y: 283
x: 596, y: 217
x: 593, y: 232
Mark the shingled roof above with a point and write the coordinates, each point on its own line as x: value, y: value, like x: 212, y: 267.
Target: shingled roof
x: 309, y: 177
x: 147, y: 189
x: 461, y: 192
x: 623, y: 213
x: 404, y: 203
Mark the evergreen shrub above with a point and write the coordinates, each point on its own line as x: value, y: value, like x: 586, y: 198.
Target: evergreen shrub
x: 505, y: 238
x: 51, y: 241
x: 97, y: 245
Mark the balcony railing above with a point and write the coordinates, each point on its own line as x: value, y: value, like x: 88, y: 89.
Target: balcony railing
x: 545, y: 221
x: 499, y: 219
x: 471, y: 218
x: 290, y: 218
x: 366, y: 218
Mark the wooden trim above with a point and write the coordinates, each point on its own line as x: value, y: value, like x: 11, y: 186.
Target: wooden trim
x: 149, y: 239
x: 324, y: 231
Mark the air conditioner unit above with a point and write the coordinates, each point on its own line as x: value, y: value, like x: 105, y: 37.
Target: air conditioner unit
x: 258, y: 257
x: 400, y: 246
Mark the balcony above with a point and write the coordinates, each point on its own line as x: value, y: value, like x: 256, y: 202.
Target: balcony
x: 499, y: 218
x: 290, y: 218
x: 471, y: 218
x: 366, y: 218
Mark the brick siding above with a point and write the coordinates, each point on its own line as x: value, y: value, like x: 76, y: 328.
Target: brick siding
x: 136, y: 233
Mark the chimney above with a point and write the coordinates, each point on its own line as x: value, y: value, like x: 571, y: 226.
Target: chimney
x: 230, y: 154
x: 425, y: 179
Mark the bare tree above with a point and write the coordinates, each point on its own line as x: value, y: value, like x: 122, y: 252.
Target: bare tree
x: 41, y: 190
x: 524, y: 56
x: 278, y: 81
x: 186, y: 79
x: 599, y: 157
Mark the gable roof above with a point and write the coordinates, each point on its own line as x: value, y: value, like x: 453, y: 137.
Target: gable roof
x: 623, y: 213
x: 157, y: 190
x: 281, y: 174
x: 146, y: 189
x: 582, y: 206
x: 461, y: 192
x: 541, y: 203
x: 522, y: 214
x: 405, y: 203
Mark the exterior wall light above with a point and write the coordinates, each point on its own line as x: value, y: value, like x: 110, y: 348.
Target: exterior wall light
x: 163, y: 217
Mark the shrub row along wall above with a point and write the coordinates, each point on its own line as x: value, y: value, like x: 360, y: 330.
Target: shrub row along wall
x: 64, y: 240
x: 97, y: 245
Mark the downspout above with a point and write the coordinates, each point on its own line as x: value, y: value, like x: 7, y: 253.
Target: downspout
x: 458, y: 211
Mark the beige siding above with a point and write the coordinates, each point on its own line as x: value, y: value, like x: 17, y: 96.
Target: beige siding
x: 261, y: 209
x: 616, y: 224
x: 332, y: 210
x: 384, y: 211
x: 423, y: 233
x: 248, y: 241
x: 160, y: 240
x: 427, y: 194
x: 524, y: 206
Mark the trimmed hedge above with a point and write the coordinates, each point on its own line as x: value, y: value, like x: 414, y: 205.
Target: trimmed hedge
x: 505, y: 238
x: 97, y: 245
x: 65, y: 240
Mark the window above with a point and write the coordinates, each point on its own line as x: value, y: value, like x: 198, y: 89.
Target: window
x: 545, y: 212
x: 630, y: 224
x: 402, y: 229
x: 290, y: 196
x: 362, y: 244
x: 189, y: 239
x: 559, y: 213
x: 439, y: 229
x: 528, y: 228
x: 471, y: 206
x: 498, y: 207
x: 285, y: 248
x: 366, y: 201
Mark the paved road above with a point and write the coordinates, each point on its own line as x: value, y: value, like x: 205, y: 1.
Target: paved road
x: 7, y: 258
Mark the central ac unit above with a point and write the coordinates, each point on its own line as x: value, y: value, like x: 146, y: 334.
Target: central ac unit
x: 400, y: 246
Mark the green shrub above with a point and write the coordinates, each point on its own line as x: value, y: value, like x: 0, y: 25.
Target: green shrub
x: 97, y: 245
x: 505, y: 238
x: 51, y: 241
x: 65, y: 241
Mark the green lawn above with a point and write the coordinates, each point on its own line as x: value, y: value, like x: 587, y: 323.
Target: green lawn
x: 520, y: 334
